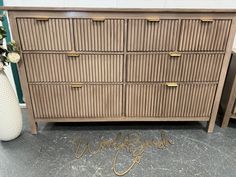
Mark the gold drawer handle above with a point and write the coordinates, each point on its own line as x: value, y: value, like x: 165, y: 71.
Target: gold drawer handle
x: 172, y: 84
x: 98, y: 19
x: 153, y: 19
x: 76, y: 85
x: 175, y: 54
x: 73, y: 54
x: 207, y: 20
x: 42, y: 18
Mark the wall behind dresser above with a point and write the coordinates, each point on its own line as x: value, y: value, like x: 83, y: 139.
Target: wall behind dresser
x: 127, y: 3
x: 214, y: 4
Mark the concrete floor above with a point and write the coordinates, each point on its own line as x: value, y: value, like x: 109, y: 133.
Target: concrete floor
x: 50, y: 152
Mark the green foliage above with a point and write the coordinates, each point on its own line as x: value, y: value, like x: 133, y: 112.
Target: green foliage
x: 11, y: 47
x: 3, y: 32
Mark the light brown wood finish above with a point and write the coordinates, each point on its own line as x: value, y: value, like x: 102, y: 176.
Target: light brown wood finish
x: 113, y: 64
x: 50, y: 34
x: 230, y: 110
x: 121, y: 119
x: 201, y: 35
x: 229, y: 94
x: 222, y: 77
x: 68, y: 68
x: 145, y: 35
x: 162, y: 100
x: 162, y: 67
x: 139, y: 10
x: 64, y: 100
x: 98, y: 35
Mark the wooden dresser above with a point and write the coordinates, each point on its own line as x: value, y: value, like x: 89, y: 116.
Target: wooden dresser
x: 86, y: 65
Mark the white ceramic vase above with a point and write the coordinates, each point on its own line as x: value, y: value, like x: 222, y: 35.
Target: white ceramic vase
x: 10, y: 113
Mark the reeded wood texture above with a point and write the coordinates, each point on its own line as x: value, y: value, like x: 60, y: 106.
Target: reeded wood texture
x: 62, y: 101
x: 83, y: 68
x: 158, y: 100
x: 51, y: 34
x: 107, y: 35
x: 163, y: 67
x: 144, y: 35
x: 197, y: 35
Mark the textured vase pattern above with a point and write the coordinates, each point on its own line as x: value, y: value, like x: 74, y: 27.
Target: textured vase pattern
x: 10, y: 113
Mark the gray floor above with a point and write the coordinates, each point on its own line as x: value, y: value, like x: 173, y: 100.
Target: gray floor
x: 50, y: 153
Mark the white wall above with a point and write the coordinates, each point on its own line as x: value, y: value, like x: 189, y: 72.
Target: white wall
x: 228, y: 4
x: 127, y: 3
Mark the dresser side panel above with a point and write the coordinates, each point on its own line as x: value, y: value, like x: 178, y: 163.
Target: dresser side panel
x: 222, y: 76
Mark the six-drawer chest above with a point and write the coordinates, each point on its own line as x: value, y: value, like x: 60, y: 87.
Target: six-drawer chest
x: 86, y: 65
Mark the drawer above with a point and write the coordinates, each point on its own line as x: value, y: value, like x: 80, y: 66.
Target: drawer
x: 160, y: 100
x: 151, y: 35
x: 45, y: 34
x: 163, y: 67
x: 68, y: 101
x: 73, y: 67
x: 200, y: 35
x: 99, y: 34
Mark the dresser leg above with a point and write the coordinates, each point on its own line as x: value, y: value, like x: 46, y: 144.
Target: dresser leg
x: 210, y: 127
x: 225, y: 122
x: 34, y: 128
x: 227, y: 115
x: 229, y: 106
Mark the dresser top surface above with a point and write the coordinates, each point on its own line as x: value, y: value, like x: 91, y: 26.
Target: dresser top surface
x: 80, y: 9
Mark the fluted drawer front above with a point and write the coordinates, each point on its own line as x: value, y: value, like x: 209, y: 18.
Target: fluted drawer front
x: 65, y: 101
x: 99, y: 35
x: 82, y: 68
x: 145, y: 35
x: 198, y: 35
x: 163, y: 67
x: 45, y: 34
x: 159, y: 100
